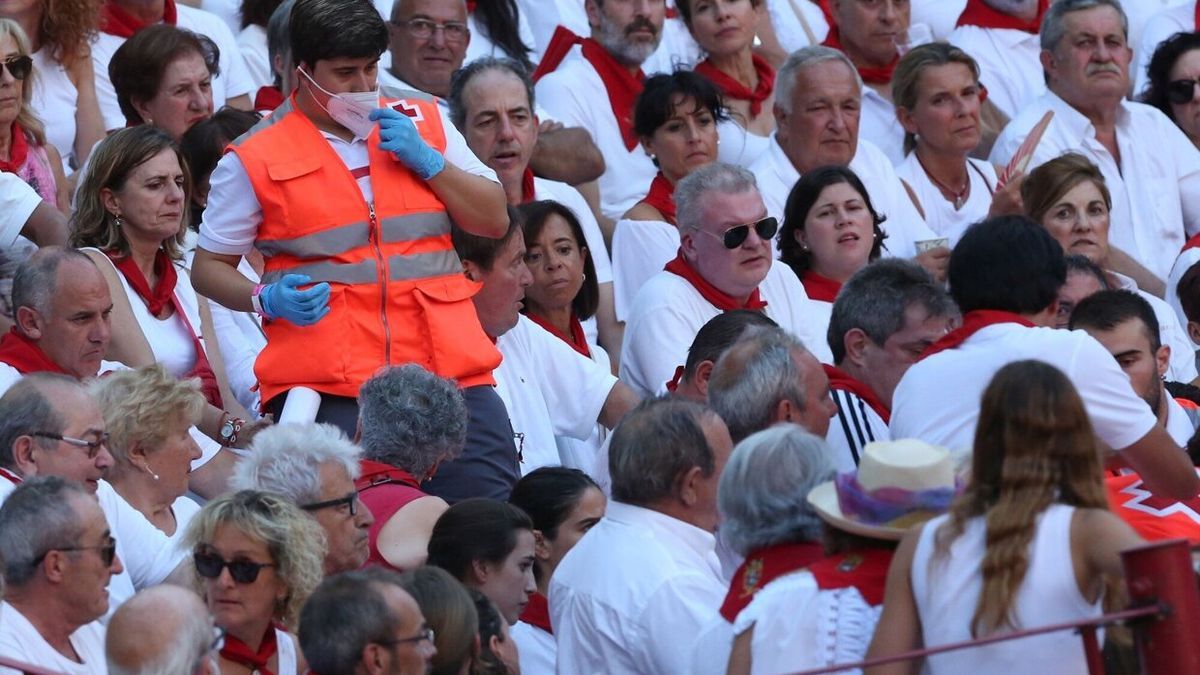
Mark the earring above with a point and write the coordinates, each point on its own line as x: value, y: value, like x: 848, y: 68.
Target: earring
x: 584, y: 276
x: 118, y: 221
x: 147, y: 469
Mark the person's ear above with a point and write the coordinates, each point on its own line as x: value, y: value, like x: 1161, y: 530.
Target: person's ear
x: 479, y: 570
x: 23, y: 448
x: 372, y: 659
x: 109, y: 200
x: 1193, y: 331
x: 855, y: 343
x: 906, y: 120
x: 541, y: 546
x: 473, y: 271
x: 30, y: 322
x: 687, y: 244
x: 592, y: 9
x: 785, y: 411
x: 703, y: 373
x: 494, y: 643
x: 689, y: 486
x: 1046, y: 57
x: 1162, y: 360
x: 781, y: 117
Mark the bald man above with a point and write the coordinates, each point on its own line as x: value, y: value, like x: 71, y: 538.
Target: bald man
x: 164, y: 629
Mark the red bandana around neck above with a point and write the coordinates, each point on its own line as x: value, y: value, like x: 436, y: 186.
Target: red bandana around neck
x: 18, y: 150
x: 1194, y: 242
x: 116, y: 21
x: 736, y: 90
x: 577, y: 339
x: 23, y: 354
x: 10, y: 476
x: 843, y: 381
x: 973, y: 322
x: 714, y: 295
x: 267, y: 99
x: 471, y: 4
x: 869, y: 75
x: 676, y: 379
x: 237, y: 651
x: 978, y: 13
x: 537, y: 613
x: 377, y: 473
x: 819, y: 287
x: 762, y: 567
x: 864, y: 569
x: 623, y: 88
x: 528, y: 191
x: 662, y: 197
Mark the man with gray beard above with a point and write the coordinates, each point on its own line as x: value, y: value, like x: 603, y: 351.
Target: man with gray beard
x: 1002, y: 36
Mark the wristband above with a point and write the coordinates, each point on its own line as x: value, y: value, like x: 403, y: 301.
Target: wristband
x: 256, y: 301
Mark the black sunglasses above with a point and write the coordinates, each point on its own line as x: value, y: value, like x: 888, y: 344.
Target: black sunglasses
x: 18, y: 66
x: 737, y: 235
x: 351, y: 499
x: 209, y: 566
x: 1181, y: 91
x: 107, y: 551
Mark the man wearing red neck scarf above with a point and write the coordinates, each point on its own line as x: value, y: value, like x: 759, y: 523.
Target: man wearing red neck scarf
x: 724, y: 263
x: 1005, y: 274
x: 884, y: 318
x: 1002, y: 37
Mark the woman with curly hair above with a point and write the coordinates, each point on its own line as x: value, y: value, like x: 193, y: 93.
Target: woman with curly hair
x: 1030, y: 541
x: 257, y: 558
x: 1173, y: 72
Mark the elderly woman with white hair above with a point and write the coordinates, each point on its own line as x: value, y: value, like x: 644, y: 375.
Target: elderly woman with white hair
x: 410, y: 421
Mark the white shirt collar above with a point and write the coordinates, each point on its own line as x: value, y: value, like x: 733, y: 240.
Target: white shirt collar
x: 783, y: 166
x: 699, y: 541
x: 1076, y: 123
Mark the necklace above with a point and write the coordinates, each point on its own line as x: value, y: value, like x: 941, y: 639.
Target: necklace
x: 960, y: 196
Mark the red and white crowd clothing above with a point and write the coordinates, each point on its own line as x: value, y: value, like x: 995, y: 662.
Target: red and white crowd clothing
x: 1154, y: 518
x: 549, y: 390
x: 776, y: 176
x: 534, y: 636
x: 640, y: 249
x: 1182, y: 366
x: 147, y: 553
x: 1155, y: 194
x: 481, y: 43
x: 17, y: 203
x: 797, y: 23
x: 1188, y: 257
x: 55, y: 99
x: 938, y: 399
x: 940, y: 214
x: 277, y: 643
x: 252, y: 42
x: 878, y: 124
x: 1179, y: 17
x: 861, y: 418
x: 634, y: 593
x: 20, y: 640
x: 231, y: 82
x: 241, y: 338
x: 1007, y: 50
x: 670, y: 310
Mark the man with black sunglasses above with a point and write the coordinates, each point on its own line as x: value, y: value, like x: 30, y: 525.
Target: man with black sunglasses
x: 725, y: 262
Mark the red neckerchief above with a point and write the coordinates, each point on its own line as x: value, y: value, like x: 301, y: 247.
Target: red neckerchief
x: 12, y: 477
x: 18, y: 150
x: 719, y: 299
x: 268, y: 99
x: 116, y: 21
x: 864, y: 569
x: 819, y: 288
x: 843, y: 381
x: 237, y: 651
x: 537, y: 613
x: 973, y: 322
x: 762, y: 567
x: 528, y: 192
x: 978, y: 13
x: 378, y: 473
x: 158, y: 299
x: 736, y: 90
x: 622, y: 87
x: 676, y: 379
x: 471, y: 6
x: 662, y: 197
x: 23, y: 354
x: 1197, y: 20
x: 577, y: 339
x: 869, y: 75
x: 1194, y: 242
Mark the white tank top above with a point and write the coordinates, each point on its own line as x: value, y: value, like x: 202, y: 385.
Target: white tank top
x: 286, y: 653
x: 947, y: 589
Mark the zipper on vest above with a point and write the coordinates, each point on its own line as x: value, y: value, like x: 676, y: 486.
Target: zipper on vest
x: 377, y: 247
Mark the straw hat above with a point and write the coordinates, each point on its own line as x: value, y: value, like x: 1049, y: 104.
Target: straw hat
x: 896, y: 467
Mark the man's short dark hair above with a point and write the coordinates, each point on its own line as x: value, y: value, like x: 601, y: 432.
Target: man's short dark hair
x: 463, y: 76
x: 1106, y: 310
x: 1188, y: 291
x: 1081, y: 264
x: 27, y: 407
x: 331, y: 29
x: 483, y: 250
x: 342, y: 616
x: 654, y: 445
x: 719, y: 334
x: 1007, y: 263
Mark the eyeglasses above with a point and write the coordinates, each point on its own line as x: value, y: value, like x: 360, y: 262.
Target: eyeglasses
x: 1181, y: 91
x: 737, y: 235
x: 209, y: 566
x: 108, y: 552
x: 18, y: 66
x: 351, y: 499
x: 93, y: 447
x: 426, y: 634
x: 423, y: 29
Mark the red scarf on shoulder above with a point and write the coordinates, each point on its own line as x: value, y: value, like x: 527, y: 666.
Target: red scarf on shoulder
x: 973, y: 322
x: 267, y: 99
x: 869, y: 75
x: 528, y: 191
x: 843, y: 381
x: 18, y: 150
x: 23, y: 354
x: 662, y: 197
x: 116, y: 21
x: 736, y: 90
x: 719, y: 299
x: 820, y: 288
x: 978, y: 13
x: 577, y: 339
x: 237, y: 651
x: 623, y: 88
x: 864, y: 569
x: 537, y: 613
x: 377, y: 473
x: 762, y: 567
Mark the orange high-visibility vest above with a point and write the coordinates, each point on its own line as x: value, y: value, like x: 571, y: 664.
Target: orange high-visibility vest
x: 398, y: 290
x: 1154, y: 518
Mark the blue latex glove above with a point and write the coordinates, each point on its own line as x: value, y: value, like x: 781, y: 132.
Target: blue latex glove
x: 284, y: 300
x: 399, y: 136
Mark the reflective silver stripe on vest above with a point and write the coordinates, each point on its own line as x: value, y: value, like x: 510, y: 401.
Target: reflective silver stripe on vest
x: 422, y: 265
x: 321, y: 244
x: 414, y: 226
x: 336, y: 273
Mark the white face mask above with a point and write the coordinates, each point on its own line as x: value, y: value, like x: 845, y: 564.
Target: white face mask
x: 350, y: 109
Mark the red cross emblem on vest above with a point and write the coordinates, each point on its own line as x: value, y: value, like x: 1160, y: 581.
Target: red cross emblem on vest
x: 412, y: 111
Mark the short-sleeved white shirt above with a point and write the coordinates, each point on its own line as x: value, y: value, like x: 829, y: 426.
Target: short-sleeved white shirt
x: 1155, y: 189
x: 938, y: 399
x: 17, y: 203
x: 20, y: 640
x: 1179, y: 17
x: 1009, y: 64
x: 940, y: 215
x: 233, y: 80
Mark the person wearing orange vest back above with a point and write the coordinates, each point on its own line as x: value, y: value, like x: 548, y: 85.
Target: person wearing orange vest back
x: 349, y: 192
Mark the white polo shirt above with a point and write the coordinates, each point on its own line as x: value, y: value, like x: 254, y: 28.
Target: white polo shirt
x: 940, y: 215
x: 878, y: 124
x: 233, y: 80
x: 776, y: 176
x: 938, y: 399
x: 1179, y: 17
x: 669, y: 311
x: 575, y: 95
x: 634, y: 593
x: 20, y: 640
x: 1156, y: 188
x: 1009, y: 64
x: 17, y: 203
x: 640, y: 249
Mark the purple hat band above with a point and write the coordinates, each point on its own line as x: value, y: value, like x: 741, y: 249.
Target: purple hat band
x: 886, y: 504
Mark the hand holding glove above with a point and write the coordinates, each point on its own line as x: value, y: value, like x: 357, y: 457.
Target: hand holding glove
x: 284, y: 300
x: 399, y: 136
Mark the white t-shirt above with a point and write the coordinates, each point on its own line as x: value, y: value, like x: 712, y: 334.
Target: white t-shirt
x: 1179, y: 423
x: 148, y: 554
x: 55, y: 100
x: 940, y: 215
x: 1155, y: 194
x: 938, y: 399
x: 640, y: 249
x: 21, y: 641
x: 229, y: 11
x: 878, y: 124
x: 252, y: 41
x: 233, y: 81
x: 633, y: 594
x: 855, y: 425
x: 549, y: 390
x: 669, y: 311
x: 1009, y: 64
x: 1179, y: 17
x: 17, y: 203
x: 535, y: 649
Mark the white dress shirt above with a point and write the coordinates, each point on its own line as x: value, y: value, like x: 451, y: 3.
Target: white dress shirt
x: 1155, y: 189
x: 1009, y: 64
x: 20, y: 640
x: 940, y: 215
x: 536, y: 649
x: 17, y: 203
x: 878, y: 124
x: 632, y: 595
x: 1179, y: 17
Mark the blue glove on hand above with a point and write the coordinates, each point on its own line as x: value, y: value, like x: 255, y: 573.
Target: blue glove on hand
x: 284, y: 300
x: 399, y: 136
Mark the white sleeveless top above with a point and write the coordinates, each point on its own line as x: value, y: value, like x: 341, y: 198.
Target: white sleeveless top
x: 286, y: 653
x: 55, y: 99
x: 947, y: 589
x: 939, y: 212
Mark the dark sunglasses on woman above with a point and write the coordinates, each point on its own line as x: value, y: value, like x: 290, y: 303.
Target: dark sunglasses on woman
x: 209, y: 566
x: 1181, y: 91
x: 18, y: 66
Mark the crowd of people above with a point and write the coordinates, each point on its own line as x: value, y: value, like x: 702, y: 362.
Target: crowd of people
x: 590, y: 336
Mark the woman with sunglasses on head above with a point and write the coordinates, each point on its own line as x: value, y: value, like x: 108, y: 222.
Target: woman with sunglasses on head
x: 257, y: 558
x: 1174, y: 72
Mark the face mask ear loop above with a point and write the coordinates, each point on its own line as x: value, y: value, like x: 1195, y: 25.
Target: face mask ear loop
x: 313, y: 83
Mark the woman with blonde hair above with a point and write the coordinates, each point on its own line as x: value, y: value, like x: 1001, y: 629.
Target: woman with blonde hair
x: 23, y: 147
x: 1030, y: 541
x: 257, y: 558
